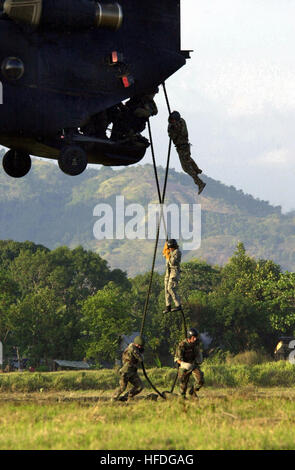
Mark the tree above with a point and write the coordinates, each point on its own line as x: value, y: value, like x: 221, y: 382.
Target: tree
x: 197, y: 275
x: 106, y: 317
x: 236, y: 312
x: 280, y: 295
x: 8, y: 296
x: 38, y: 326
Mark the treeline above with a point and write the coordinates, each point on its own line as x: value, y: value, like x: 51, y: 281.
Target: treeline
x: 68, y: 304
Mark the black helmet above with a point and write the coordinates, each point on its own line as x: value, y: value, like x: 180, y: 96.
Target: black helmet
x: 172, y: 243
x: 192, y: 332
x: 152, y: 91
x: 175, y: 116
x: 139, y: 340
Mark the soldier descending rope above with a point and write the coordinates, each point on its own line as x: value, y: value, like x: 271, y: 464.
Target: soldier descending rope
x: 173, y: 258
x: 178, y: 133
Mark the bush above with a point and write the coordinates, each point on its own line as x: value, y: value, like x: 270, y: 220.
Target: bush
x: 249, y: 358
x: 42, y: 369
x: 271, y: 374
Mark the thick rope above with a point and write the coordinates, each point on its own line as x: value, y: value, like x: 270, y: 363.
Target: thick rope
x: 176, y: 376
x: 166, y: 97
x: 162, y: 199
x: 162, y: 395
x: 161, y: 202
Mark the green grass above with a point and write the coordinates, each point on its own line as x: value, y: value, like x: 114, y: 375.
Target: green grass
x: 245, y: 418
x: 262, y: 375
x: 71, y: 410
x: 241, y: 407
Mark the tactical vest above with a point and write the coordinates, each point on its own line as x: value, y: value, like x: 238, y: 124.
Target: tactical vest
x: 189, y: 351
x: 128, y: 356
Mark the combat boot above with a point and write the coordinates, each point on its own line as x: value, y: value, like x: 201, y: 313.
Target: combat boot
x: 176, y: 309
x: 167, y: 309
x: 193, y: 393
x: 201, y: 186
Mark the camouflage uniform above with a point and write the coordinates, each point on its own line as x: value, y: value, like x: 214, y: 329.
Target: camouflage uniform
x: 141, y: 109
x: 172, y: 277
x: 132, y: 117
x: 97, y: 125
x: 190, y: 353
x: 178, y: 133
x: 131, y: 358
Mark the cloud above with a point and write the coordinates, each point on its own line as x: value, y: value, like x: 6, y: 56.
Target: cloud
x: 277, y: 157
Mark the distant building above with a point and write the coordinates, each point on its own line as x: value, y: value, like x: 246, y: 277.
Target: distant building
x: 70, y: 365
x: 282, y: 350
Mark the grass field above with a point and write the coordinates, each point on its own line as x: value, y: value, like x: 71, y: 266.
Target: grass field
x: 72, y: 410
x: 242, y: 418
x: 279, y: 374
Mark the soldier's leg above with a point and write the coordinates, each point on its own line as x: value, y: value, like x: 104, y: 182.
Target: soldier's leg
x: 190, y: 167
x: 137, y: 385
x: 173, y: 290
x: 183, y: 378
x: 198, y: 376
x: 124, y: 379
x: 187, y: 163
x: 167, y: 293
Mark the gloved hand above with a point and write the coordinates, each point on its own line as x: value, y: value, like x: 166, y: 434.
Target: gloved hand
x: 187, y: 366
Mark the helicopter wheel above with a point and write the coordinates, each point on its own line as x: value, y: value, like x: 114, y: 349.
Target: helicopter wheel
x: 16, y: 163
x: 72, y: 160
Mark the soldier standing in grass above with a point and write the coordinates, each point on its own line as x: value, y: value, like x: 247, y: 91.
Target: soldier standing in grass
x: 189, y: 357
x: 178, y: 133
x: 131, y: 358
x: 173, y: 258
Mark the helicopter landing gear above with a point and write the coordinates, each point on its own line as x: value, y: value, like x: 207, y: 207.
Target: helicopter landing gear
x: 72, y: 160
x: 16, y: 163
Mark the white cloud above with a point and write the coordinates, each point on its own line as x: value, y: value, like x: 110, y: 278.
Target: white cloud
x: 280, y: 157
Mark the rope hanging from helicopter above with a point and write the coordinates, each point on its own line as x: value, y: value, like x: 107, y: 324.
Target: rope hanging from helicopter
x: 161, y: 198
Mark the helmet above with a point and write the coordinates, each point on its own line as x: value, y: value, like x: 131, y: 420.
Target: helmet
x: 139, y: 340
x: 192, y: 332
x: 152, y: 91
x: 175, y: 116
x: 172, y: 243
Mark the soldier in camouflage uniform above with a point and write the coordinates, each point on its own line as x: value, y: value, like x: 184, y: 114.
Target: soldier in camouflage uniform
x: 189, y: 357
x: 131, y: 358
x: 133, y: 116
x: 178, y: 133
x: 172, y: 276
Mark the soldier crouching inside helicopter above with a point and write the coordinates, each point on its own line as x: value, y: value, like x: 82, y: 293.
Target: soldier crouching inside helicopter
x: 178, y: 133
x: 189, y: 357
x: 173, y: 258
x: 132, y: 117
x: 131, y: 358
x: 97, y: 125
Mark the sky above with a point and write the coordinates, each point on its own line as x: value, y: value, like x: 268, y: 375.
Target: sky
x: 237, y: 95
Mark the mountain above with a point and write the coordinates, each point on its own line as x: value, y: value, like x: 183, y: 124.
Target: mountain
x: 53, y: 209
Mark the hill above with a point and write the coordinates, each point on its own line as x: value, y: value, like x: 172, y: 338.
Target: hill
x: 52, y: 209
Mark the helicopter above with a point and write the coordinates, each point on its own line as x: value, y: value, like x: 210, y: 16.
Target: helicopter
x: 63, y: 62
